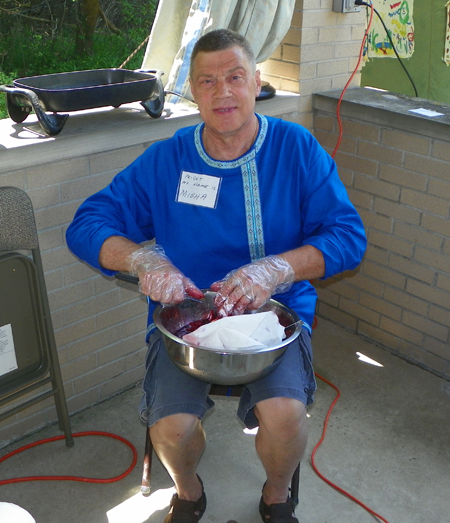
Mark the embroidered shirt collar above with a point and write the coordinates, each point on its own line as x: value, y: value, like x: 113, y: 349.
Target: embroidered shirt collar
x: 232, y: 164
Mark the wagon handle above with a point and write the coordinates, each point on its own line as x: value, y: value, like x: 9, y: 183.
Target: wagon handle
x: 52, y: 124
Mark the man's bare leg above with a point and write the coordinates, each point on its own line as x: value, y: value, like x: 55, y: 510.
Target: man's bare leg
x: 280, y: 444
x: 179, y: 442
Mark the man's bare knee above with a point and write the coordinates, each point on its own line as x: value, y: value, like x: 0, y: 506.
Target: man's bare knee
x: 174, y: 429
x: 281, y: 415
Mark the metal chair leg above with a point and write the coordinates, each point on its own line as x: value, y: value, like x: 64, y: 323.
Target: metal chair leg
x: 147, y: 468
x: 295, y: 483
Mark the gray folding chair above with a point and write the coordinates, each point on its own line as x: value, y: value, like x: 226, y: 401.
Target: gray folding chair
x: 28, y: 354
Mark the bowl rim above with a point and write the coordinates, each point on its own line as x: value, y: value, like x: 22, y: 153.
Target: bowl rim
x: 271, y: 301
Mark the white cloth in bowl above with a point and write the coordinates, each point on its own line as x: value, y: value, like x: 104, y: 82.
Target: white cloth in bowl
x: 249, y: 331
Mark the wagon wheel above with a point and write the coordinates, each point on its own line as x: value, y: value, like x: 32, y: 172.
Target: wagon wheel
x: 16, y: 111
x: 155, y: 106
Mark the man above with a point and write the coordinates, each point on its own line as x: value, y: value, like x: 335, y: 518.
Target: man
x: 270, y: 215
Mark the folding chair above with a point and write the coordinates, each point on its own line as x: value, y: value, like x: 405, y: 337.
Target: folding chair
x: 220, y: 390
x: 28, y: 355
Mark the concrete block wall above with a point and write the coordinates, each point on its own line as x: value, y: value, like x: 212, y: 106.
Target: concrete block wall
x: 397, y: 171
x: 99, y: 323
x: 319, y: 53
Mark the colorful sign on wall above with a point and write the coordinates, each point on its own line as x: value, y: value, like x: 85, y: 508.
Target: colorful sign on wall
x: 447, y: 36
x: 397, y: 17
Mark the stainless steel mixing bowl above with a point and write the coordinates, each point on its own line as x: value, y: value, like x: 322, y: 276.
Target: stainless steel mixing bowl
x: 218, y: 367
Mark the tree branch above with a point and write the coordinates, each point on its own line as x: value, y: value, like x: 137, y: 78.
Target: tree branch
x: 109, y: 24
x: 11, y: 12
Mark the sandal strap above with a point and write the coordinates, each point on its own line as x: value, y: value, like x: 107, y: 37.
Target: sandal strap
x: 184, y: 511
x: 278, y: 512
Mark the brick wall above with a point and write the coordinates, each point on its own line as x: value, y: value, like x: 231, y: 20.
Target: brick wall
x: 398, y: 175
x: 99, y: 323
x: 319, y: 53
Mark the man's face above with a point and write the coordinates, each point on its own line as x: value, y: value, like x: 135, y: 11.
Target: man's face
x: 224, y: 86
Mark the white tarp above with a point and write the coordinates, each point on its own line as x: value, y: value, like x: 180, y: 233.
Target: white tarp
x: 180, y: 23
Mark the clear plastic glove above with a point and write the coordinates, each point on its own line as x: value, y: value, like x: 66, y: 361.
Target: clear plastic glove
x: 250, y: 286
x: 159, y: 278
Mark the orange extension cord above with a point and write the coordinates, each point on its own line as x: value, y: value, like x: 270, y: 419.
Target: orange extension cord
x: 349, y: 80
x: 313, y: 455
x: 71, y: 478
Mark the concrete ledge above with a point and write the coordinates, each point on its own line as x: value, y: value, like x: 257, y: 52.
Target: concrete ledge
x: 100, y: 130
x: 388, y: 109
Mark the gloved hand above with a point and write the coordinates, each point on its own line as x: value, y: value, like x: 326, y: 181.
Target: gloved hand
x: 159, y: 278
x: 250, y: 286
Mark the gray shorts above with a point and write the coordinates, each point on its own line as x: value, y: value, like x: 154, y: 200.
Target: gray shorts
x: 168, y: 390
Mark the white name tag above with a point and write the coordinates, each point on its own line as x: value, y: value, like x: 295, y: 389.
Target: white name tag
x: 198, y: 189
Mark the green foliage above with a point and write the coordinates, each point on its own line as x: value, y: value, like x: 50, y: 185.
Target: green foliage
x: 4, y: 80
x: 30, y: 47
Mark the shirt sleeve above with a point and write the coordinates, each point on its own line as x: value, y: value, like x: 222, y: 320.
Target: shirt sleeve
x: 121, y: 209
x: 331, y: 222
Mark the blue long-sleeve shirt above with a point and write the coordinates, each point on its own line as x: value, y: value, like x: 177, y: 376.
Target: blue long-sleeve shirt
x: 285, y: 192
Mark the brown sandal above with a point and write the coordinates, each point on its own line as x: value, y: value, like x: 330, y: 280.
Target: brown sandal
x: 184, y: 511
x: 278, y: 512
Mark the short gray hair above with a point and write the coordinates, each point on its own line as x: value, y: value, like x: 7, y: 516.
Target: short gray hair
x: 219, y: 40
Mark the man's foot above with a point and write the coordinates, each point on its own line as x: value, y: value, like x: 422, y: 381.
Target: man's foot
x: 184, y: 511
x: 278, y: 512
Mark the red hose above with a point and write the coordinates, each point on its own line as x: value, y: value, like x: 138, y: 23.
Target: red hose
x: 324, y: 431
x: 71, y: 478
x: 313, y: 455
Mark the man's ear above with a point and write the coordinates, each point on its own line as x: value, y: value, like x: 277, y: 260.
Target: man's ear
x: 258, y: 81
x: 190, y: 85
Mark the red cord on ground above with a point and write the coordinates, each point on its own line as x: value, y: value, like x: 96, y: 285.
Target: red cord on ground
x: 315, y: 319
x: 71, y: 478
x: 348, y: 83
x: 324, y: 431
x: 313, y: 455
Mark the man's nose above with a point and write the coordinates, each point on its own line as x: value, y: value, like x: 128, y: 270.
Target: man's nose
x: 222, y: 88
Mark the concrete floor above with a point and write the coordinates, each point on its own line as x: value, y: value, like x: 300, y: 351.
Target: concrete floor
x: 387, y: 444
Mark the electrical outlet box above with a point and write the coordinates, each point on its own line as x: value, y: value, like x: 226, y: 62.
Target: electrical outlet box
x: 345, y: 6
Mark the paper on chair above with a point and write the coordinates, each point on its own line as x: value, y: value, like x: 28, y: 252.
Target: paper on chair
x: 249, y: 331
x: 8, y: 360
